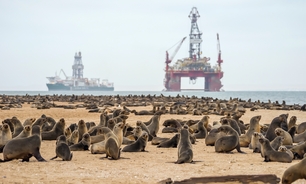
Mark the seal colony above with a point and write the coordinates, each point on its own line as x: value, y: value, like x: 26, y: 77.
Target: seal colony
x: 182, y: 111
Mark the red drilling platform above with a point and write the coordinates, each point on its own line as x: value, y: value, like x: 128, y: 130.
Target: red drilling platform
x: 194, y: 66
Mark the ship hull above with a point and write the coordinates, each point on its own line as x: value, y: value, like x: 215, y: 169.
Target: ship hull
x: 62, y: 87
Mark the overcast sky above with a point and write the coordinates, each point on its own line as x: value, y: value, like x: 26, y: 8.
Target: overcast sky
x: 263, y: 42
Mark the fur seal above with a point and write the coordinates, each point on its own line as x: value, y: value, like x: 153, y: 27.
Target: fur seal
x: 153, y: 127
x: 287, y: 137
x: 144, y: 128
x: 27, y: 131
x: 29, y: 121
x: 255, y: 145
x: 299, y: 137
x: 184, y: 147
x: 82, y: 128
x: 270, y: 154
x: 299, y: 150
x: 57, y: 130
x: 74, y: 138
x: 24, y: 148
x: 170, y: 143
x: 245, y: 139
x: 292, y: 122
x: 202, y: 131
x: 158, y: 140
x: 118, y: 131
x: 6, y: 134
x: 212, y: 136
x: 277, y: 122
x: 301, y: 128
x: 18, y: 127
x: 285, y: 149
x: 49, y: 124
x: 277, y: 142
x: 62, y: 150
x: 112, y: 147
x: 138, y: 145
x: 83, y: 145
x: 229, y: 141
x: 295, y: 172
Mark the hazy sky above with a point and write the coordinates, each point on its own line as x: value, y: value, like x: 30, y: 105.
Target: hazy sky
x: 263, y: 42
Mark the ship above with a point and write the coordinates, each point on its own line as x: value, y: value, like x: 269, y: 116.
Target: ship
x: 77, y: 82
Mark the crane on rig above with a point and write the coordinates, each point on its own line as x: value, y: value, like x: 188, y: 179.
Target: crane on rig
x: 169, y: 60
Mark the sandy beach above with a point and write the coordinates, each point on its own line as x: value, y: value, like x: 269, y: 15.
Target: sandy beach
x: 154, y: 165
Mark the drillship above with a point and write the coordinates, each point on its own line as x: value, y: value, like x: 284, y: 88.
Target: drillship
x: 77, y: 82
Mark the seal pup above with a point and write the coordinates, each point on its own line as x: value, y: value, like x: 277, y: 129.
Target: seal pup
x: 184, y: 147
x: 295, y: 172
x: 245, y: 139
x: 74, y: 138
x: 270, y: 154
x: 57, y: 130
x: 285, y: 149
x: 287, y: 137
x: 277, y: 142
x: 27, y: 131
x: 202, y: 131
x: 138, y: 145
x: 62, y: 150
x: 6, y: 135
x: 255, y: 145
x: 144, y: 128
x: 83, y: 145
x: 24, y: 148
x: 229, y: 141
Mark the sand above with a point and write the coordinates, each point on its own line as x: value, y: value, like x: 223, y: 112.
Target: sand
x: 144, y: 167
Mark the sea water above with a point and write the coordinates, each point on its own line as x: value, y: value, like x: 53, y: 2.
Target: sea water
x: 290, y: 97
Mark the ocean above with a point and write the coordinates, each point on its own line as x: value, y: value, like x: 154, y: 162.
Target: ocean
x: 291, y: 97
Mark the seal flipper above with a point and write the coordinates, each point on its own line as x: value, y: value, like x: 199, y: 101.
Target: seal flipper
x: 38, y: 157
x: 53, y: 158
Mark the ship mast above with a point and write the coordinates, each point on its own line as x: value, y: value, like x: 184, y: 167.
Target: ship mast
x: 77, y: 67
x: 195, y: 36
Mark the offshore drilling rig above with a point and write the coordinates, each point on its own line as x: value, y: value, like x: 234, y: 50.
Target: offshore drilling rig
x: 194, y: 66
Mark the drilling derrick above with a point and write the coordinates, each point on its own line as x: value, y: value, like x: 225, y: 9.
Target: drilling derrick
x: 77, y: 67
x: 194, y: 66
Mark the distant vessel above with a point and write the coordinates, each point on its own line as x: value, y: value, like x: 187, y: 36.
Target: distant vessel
x: 77, y: 82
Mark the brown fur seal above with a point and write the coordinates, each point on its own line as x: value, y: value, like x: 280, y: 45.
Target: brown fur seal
x: 82, y: 128
x: 285, y: 149
x: 83, y: 145
x: 299, y: 150
x: 29, y: 121
x: 295, y: 172
x: 153, y: 127
x: 158, y: 140
x: 299, y: 137
x: 184, y: 147
x: 6, y: 134
x: 24, y: 148
x: 202, y: 131
x: 62, y: 150
x: 144, y: 128
x: 57, y: 130
x: 301, y: 128
x: 228, y: 142
x: 287, y: 137
x: 100, y: 146
x: 245, y: 139
x: 98, y: 137
x: 49, y: 124
x: 255, y: 145
x: 112, y: 147
x: 277, y: 122
x: 67, y: 132
x: 292, y: 122
x: 270, y: 154
x: 138, y: 145
x: 212, y: 136
x: 170, y: 143
x: 74, y: 138
x: 27, y: 131
x: 18, y: 127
